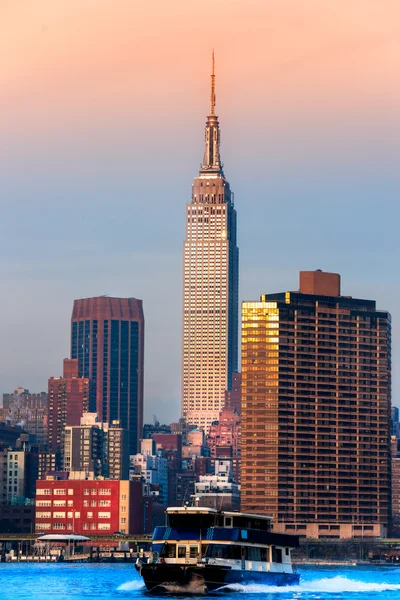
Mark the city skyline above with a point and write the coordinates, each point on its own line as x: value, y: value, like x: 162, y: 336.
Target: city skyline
x: 310, y: 120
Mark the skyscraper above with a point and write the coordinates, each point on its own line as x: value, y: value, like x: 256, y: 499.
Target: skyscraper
x: 210, y: 286
x: 107, y: 338
x: 316, y: 393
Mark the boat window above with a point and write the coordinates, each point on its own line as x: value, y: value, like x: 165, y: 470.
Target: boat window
x: 193, y: 552
x: 169, y: 551
x: 181, y: 551
x: 253, y: 553
x: 249, y: 523
x: 287, y: 551
x: 191, y: 521
x: 223, y: 551
x: 276, y: 554
x: 228, y: 521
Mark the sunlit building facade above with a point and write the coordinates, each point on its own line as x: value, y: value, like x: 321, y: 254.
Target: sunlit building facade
x: 316, y: 396
x: 210, y: 287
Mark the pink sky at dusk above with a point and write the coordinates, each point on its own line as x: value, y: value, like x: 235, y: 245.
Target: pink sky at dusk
x: 102, y: 110
x: 99, y: 61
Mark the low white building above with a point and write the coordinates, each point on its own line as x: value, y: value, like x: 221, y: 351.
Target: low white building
x: 219, y: 490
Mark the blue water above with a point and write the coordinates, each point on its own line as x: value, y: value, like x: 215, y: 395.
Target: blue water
x: 120, y: 582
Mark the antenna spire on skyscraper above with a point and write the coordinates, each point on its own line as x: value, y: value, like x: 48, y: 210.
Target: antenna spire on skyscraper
x: 213, y: 85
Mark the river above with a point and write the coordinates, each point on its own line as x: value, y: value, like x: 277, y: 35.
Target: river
x: 120, y: 582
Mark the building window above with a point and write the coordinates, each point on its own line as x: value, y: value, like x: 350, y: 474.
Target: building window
x: 58, y: 526
x: 59, y: 503
x: 70, y: 492
x: 123, y: 520
x: 43, y: 503
x: 104, y: 526
x: 59, y: 515
x: 43, y: 515
x: 93, y: 526
x: 59, y: 492
x: 89, y: 515
x: 86, y: 492
x: 93, y: 492
x: 43, y: 492
x: 86, y: 526
x: 104, y: 492
x: 104, y: 515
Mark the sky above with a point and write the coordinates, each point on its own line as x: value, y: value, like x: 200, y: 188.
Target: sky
x: 102, y: 112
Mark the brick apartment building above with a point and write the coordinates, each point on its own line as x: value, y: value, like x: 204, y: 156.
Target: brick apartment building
x: 89, y: 507
x: 316, y: 420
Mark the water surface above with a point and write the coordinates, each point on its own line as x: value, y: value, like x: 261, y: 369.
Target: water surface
x: 121, y: 582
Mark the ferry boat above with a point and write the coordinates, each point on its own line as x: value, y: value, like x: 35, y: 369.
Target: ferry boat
x: 203, y: 549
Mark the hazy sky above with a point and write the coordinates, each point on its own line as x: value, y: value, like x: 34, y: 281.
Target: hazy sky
x: 102, y: 112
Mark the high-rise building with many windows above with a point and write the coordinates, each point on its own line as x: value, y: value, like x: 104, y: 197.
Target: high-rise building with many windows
x: 107, y: 338
x: 316, y: 396
x: 210, y: 286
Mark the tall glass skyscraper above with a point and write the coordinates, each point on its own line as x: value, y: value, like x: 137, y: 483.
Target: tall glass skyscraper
x: 107, y: 337
x: 210, y: 286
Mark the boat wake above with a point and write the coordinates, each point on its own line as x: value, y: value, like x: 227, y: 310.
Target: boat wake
x: 328, y: 585
x: 131, y: 586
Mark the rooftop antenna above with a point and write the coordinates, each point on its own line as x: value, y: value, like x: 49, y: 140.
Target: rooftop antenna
x: 212, y: 98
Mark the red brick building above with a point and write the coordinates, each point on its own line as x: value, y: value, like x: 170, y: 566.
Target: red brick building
x: 68, y: 399
x: 89, y: 507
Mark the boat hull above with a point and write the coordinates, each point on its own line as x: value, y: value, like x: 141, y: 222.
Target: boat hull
x: 173, y: 578
x: 217, y: 577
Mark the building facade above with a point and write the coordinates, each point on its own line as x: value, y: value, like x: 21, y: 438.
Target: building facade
x: 152, y: 467
x: 225, y: 432
x: 83, y: 451
x: 27, y: 410
x: 107, y: 338
x: 16, y: 475
x: 233, y: 397
x: 94, y: 449
x: 219, y: 490
x: 115, y: 451
x: 316, y: 394
x: 97, y: 507
x: 210, y: 286
x: 68, y: 399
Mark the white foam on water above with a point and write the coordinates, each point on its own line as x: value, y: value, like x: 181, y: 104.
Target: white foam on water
x: 328, y: 585
x: 131, y: 586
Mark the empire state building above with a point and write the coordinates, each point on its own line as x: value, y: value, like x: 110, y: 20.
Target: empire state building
x: 210, y: 285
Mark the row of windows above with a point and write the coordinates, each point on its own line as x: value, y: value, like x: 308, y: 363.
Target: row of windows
x: 86, y: 526
x: 63, y: 492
